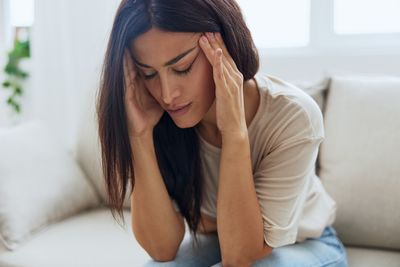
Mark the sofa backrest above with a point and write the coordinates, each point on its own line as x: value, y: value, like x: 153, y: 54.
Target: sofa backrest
x: 359, y: 159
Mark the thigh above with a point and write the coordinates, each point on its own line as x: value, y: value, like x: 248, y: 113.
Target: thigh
x: 326, y: 251
x: 207, y: 253
x: 313, y: 252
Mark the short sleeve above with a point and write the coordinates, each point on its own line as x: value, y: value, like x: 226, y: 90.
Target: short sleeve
x: 281, y: 179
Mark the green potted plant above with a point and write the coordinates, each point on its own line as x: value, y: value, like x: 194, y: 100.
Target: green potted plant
x: 14, y: 75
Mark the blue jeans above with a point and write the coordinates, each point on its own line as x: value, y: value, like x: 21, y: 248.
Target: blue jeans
x: 326, y: 250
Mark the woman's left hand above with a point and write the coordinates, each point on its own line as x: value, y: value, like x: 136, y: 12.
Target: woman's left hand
x: 230, y: 112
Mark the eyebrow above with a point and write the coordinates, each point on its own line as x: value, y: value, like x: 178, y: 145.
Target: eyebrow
x: 170, y: 62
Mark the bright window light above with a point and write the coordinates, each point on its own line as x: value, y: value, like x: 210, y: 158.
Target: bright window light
x: 21, y: 13
x: 283, y: 23
x: 366, y: 16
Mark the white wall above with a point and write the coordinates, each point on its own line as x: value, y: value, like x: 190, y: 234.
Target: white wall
x: 3, y: 93
x: 90, y: 27
x: 69, y: 40
x: 2, y: 30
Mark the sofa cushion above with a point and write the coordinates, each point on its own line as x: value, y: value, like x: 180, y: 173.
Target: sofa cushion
x: 88, y: 153
x: 105, y: 243
x: 91, y: 238
x: 40, y: 183
x: 363, y: 257
x: 359, y: 158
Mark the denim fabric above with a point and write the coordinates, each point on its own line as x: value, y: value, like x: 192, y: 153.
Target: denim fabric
x: 325, y: 251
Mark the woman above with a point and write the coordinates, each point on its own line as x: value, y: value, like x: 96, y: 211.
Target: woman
x: 185, y: 120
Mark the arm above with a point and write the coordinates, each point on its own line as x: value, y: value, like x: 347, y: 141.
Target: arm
x: 158, y: 228
x: 240, y: 225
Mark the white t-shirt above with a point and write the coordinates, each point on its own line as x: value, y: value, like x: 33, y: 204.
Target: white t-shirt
x: 284, y: 136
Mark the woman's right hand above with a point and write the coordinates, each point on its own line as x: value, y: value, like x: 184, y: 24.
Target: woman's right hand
x: 142, y: 110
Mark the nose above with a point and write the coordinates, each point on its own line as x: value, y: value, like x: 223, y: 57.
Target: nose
x: 168, y: 91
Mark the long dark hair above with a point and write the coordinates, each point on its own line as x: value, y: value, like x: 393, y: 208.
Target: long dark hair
x: 177, y: 150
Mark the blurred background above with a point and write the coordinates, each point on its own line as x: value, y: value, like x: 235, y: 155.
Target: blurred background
x: 51, y: 51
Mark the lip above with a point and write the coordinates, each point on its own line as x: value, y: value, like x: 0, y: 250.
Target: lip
x: 180, y: 111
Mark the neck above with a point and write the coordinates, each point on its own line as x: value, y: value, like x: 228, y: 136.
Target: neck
x: 207, y: 127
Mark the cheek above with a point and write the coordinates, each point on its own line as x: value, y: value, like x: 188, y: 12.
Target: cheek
x: 153, y: 88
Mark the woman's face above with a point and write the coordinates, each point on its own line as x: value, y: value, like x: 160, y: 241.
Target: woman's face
x: 176, y: 72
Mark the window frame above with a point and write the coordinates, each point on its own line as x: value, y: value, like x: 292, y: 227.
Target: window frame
x: 3, y: 35
x: 5, y: 26
x: 324, y: 41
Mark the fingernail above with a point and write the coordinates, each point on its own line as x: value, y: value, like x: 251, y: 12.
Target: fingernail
x: 203, y: 39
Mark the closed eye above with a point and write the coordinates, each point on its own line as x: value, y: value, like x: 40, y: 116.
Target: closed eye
x: 178, y: 72
x: 183, y: 72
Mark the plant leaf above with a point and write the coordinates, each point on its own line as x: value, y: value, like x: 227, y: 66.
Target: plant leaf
x: 6, y: 84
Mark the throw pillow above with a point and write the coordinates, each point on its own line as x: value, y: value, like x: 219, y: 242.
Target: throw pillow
x: 40, y: 183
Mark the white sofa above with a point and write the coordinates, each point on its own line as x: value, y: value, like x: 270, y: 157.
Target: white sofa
x: 67, y: 223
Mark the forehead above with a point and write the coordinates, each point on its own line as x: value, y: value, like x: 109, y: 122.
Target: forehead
x: 155, y: 47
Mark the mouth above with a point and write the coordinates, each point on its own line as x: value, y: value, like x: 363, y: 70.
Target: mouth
x: 180, y: 111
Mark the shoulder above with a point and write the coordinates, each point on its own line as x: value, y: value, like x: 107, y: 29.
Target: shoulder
x: 288, y: 110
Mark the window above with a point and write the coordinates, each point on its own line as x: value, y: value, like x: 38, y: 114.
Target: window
x: 2, y: 23
x: 21, y: 13
x: 316, y: 27
x: 3, y: 35
x: 283, y: 23
x: 366, y: 16
x: 14, y: 14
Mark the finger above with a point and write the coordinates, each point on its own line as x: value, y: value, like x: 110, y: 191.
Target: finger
x: 227, y: 64
x: 226, y: 58
x: 218, y: 70
x: 217, y: 42
x: 210, y: 46
x: 207, y: 49
x: 233, y: 86
x: 131, y: 66
x: 211, y: 38
x: 221, y: 44
x: 214, y: 45
x: 128, y: 80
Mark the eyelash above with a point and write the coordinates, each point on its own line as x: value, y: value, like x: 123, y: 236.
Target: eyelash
x: 178, y: 72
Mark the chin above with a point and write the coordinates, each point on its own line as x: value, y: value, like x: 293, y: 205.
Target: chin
x: 191, y: 119
x: 185, y: 124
